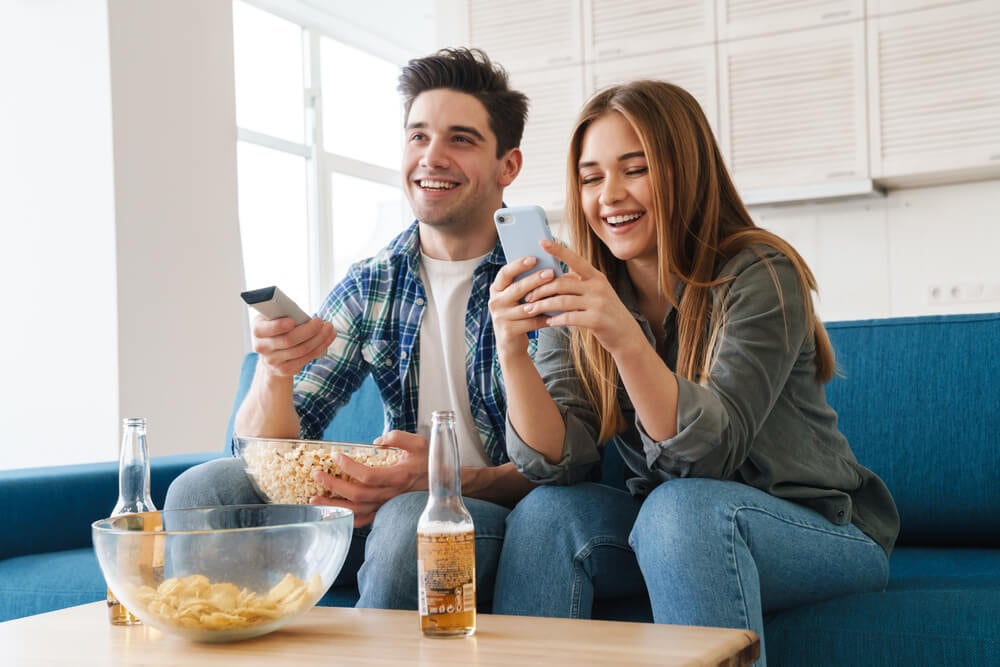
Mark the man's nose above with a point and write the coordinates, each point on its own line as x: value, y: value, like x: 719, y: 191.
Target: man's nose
x: 435, y: 155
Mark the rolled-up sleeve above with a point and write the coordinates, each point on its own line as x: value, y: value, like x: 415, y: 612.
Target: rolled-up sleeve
x: 580, y: 452
x: 762, y: 338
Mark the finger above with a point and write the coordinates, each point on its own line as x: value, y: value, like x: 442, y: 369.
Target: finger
x: 388, y: 475
x: 409, y: 442
x: 265, y: 328
x: 282, y: 337
x: 574, y: 261
x: 568, y: 284
x: 508, y: 272
x: 352, y: 491
x: 553, y: 304
x: 280, y: 352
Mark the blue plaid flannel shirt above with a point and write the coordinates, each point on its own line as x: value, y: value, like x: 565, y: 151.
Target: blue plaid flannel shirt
x: 377, y: 310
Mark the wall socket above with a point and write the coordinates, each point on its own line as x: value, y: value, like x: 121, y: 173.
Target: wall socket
x: 944, y: 293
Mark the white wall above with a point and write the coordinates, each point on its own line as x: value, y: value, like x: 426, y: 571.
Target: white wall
x: 59, y: 336
x: 121, y: 230
x: 882, y: 257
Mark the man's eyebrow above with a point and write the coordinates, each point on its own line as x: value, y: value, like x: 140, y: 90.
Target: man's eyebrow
x: 465, y: 129
x: 621, y: 158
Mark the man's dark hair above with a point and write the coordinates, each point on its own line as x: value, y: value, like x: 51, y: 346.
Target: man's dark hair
x: 470, y: 71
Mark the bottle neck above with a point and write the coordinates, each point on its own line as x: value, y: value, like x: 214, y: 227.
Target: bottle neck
x: 444, y: 472
x: 133, y: 470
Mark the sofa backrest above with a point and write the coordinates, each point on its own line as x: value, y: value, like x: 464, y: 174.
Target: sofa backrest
x: 919, y: 401
x: 917, y: 397
x: 361, y: 420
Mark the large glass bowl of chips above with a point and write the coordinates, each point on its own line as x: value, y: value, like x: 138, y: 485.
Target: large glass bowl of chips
x: 282, y: 469
x: 223, y: 573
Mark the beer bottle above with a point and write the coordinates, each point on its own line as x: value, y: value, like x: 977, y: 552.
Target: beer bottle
x: 446, y: 555
x: 133, y: 494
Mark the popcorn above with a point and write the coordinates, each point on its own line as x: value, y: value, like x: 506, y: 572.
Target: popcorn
x: 283, y: 471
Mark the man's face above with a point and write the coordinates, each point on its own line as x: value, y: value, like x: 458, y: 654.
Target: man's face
x: 452, y: 175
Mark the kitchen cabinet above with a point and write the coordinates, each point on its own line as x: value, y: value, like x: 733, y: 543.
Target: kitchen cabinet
x: 810, y: 99
x: 693, y: 69
x: 934, y: 93
x: 614, y: 29
x: 526, y: 35
x: 749, y: 18
x: 793, y: 111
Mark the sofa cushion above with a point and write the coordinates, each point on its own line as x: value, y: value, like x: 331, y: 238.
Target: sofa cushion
x: 42, y: 582
x: 918, y: 402
x: 81, y: 493
x: 940, y: 608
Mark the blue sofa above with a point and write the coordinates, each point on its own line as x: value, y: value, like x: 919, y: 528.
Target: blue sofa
x: 918, y: 398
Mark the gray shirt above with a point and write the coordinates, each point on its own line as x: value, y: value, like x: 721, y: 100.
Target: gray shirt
x: 760, y: 417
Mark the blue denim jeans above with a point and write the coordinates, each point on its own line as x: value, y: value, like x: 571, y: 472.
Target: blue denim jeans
x: 383, y: 556
x: 708, y: 552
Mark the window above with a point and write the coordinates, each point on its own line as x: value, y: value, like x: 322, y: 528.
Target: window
x: 320, y: 143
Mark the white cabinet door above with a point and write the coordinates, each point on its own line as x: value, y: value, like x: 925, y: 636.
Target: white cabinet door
x: 934, y: 89
x: 693, y: 69
x: 525, y: 35
x: 556, y: 96
x: 618, y: 28
x: 884, y: 7
x: 793, y: 110
x: 747, y: 18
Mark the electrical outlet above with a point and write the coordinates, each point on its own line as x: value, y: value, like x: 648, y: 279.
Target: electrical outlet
x: 948, y: 293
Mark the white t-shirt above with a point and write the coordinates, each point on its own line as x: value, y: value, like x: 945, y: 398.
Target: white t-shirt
x: 443, y: 350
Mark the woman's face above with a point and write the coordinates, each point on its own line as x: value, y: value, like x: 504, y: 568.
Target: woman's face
x: 615, y: 193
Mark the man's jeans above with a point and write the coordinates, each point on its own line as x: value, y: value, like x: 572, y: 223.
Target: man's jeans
x: 383, y: 556
x: 709, y: 553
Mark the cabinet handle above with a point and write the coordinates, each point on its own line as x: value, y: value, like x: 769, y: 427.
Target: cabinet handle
x: 835, y: 15
x: 610, y: 52
x: 560, y: 59
x: 840, y: 174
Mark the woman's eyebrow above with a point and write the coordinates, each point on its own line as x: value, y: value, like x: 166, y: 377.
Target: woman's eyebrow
x: 621, y: 158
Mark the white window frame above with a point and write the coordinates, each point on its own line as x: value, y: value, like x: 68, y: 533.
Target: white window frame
x: 320, y: 163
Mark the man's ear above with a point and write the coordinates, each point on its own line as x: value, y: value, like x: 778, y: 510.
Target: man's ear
x: 510, y: 166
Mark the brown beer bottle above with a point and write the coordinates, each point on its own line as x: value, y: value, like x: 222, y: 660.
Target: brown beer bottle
x: 133, y: 495
x: 446, y: 553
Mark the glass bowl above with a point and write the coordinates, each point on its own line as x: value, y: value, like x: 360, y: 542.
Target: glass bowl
x: 282, y: 469
x: 223, y: 573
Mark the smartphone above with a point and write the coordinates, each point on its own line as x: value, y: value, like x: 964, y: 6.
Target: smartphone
x: 272, y: 303
x: 520, y: 229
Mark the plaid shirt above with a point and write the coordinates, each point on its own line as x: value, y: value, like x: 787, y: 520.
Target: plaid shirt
x: 377, y: 310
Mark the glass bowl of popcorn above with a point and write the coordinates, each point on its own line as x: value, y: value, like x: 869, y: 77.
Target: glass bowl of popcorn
x: 223, y: 573
x: 282, y: 469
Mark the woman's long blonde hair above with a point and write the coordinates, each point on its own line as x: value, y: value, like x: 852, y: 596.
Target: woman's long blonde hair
x: 700, y: 223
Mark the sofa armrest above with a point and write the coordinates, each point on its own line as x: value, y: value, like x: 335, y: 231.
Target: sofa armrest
x: 51, y: 508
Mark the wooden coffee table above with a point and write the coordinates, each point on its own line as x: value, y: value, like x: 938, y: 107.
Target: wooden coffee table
x: 338, y: 636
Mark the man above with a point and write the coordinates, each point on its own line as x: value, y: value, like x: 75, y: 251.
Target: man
x: 415, y: 317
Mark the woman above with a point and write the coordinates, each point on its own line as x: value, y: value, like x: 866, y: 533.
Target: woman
x: 687, y: 335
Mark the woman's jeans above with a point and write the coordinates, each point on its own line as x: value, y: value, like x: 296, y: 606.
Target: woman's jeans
x: 383, y: 556
x: 708, y: 552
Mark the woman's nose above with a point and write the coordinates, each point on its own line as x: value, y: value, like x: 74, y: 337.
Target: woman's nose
x: 612, y: 191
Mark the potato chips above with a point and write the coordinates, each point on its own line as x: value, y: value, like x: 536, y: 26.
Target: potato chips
x: 195, y: 602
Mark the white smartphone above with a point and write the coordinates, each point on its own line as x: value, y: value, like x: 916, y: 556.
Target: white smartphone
x: 520, y: 229
x: 272, y: 303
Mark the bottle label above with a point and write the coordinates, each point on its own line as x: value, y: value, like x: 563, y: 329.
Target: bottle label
x: 446, y: 571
